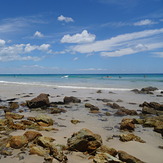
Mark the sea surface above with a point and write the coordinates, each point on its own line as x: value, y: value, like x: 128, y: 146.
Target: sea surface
x: 86, y: 81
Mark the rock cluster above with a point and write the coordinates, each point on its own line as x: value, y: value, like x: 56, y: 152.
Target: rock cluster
x: 147, y: 90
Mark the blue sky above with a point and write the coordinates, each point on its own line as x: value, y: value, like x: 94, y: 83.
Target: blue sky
x: 81, y: 36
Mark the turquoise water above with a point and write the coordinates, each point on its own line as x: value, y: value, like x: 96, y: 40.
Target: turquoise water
x: 113, y: 81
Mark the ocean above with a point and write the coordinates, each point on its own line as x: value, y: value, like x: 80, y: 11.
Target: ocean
x: 86, y: 81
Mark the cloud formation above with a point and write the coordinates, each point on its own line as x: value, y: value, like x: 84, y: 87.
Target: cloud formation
x: 65, y: 19
x: 124, y: 44
x: 83, y: 37
x: 2, y: 42
x: 16, y: 51
x: 144, y: 22
x: 38, y: 34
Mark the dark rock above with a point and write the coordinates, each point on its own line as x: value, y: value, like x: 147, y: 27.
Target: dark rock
x: 128, y: 158
x: 13, y: 105
x: 11, y: 99
x: 104, y: 100
x: 153, y: 105
x: 149, y: 89
x: 84, y: 140
x: 40, y: 101
x: 161, y: 92
x: 57, y: 110
x: 147, y: 110
x: 127, y: 124
x: 123, y: 112
x: 99, y: 91
x: 92, y: 107
x: 70, y: 99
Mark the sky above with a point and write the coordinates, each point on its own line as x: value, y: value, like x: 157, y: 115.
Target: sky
x: 81, y: 36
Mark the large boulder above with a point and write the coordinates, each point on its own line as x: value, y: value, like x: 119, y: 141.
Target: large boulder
x: 40, y: 101
x: 71, y: 99
x: 123, y: 156
x: 84, y: 140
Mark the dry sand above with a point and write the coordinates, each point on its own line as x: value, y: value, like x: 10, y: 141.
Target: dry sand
x: 106, y: 126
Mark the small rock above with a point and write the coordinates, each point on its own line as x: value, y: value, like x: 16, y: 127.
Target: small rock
x: 131, y: 137
x: 18, y: 141
x: 13, y: 105
x: 31, y: 135
x: 45, y: 119
x: 84, y: 140
x: 128, y: 158
x: 9, y: 115
x: 75, y: 121
x: 105, y: 149
x: 99, y: 91
x: 127, y: 124
x: 70, y: 99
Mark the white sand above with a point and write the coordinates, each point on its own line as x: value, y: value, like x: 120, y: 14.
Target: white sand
x: 148, y: 152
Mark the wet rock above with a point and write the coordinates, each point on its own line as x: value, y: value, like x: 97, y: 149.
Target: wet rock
x: 105, y: 149
x: 153, y: 105
x: 123, y: 112
x: 57, y: 110
x: 44, y: 119
x: 147, y: 89
x: 40, y: 101
x: 9, y: 115
x: 17, y: 142
x: 147, y: 110
x: 99, y: 91
x: 127, y: 124
x: 73, y: 121
x: 105, y: 158
x: 13, y: 105
x: 40, y: 151
x: 128, y: 158
x: 31, y: 135
x: 84, y: 140
x: 92, y: 107
x: 131, y: 137
x: 71, y: 99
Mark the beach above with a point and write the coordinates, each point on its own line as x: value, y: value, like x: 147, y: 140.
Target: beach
x: 107, y: 126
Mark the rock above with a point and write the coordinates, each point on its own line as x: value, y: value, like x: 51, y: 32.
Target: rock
x: 18, y: 141
x: 94, y: 111
x: 104, y: 100
x: 131, y: 137
x: 108, y: 114
x: 40, y: 101
x: 153, y: 105
x: 124, y: 111
x: 75, y: 121
x: 105, y: 158
x: 45, y: 119
x: 128, y: 158
x: 57, y: 110
x: 31, y: 135
x: 159, y: 127
x: 44, y: 141
x: 13, y: 105
x: 127, y: 124
x: 26, y: 122
x: 99, y: 91
x: 92, y: 107
x: 84, y: 140
x: 105, y: 149
x: 138, y: 121
x: 70, y: 99
x: 9, y: 115
x: 147, y: 110
x: 3, y: 122
x: 40, y: 151
x: 16, y: 126
x: 147, y: 89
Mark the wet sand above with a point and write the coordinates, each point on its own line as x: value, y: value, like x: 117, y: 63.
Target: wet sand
x: 106, y: 126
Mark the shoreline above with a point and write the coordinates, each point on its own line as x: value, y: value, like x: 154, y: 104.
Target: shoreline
x: 106, y: 126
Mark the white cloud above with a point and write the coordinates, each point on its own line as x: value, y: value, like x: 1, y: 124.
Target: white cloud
x: 124, y: 44
x: 38, y: 34
x: 93, y: 69
x: 83, y: 37
x: 65, y: 19
x: 144, y: 22
x: 17, y: 51
x: 158, y: 54
x: 2, y: 42
x: 75, y: 59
